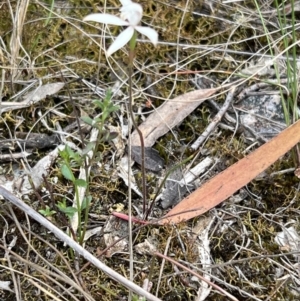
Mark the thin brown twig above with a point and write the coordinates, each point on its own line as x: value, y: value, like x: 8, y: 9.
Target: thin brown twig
x: 196, y: 274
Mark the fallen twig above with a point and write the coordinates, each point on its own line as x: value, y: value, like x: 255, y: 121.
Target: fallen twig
x: 215, y: 120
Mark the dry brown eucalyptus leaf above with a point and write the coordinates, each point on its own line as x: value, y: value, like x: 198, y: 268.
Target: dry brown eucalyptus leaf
x: 32, y: 97
x: 43, y: 91
x: 168, y: 115
x: 233, y: 178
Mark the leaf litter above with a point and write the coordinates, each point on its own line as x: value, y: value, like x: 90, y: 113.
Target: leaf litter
x: 246, y: 222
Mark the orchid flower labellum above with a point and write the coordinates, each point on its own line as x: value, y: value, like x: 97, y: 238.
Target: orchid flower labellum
x: 131, y: 15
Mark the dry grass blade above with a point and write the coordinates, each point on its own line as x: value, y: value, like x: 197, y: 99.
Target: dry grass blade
x: 202, y: 44
x: 233, y: 178
x: 16, y: 38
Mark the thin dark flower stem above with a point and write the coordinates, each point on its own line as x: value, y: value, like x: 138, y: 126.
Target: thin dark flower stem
x: 130, y: 73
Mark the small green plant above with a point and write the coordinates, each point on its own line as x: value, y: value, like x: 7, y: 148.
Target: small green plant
x: 131, y: 15
x: 289, y: 38
x: 290, y: 44
x: 107, y: 107
x: 71, y: 161
x: 137, y: 298
x: 289, y: 41
x: 69, y: 211
x: 47, y: 212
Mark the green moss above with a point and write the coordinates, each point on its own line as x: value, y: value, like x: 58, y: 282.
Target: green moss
x: 60, y: 47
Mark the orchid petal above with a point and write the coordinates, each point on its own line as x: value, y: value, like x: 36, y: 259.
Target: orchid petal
x: 125, y: 2
x: 150, y: 33
x: 106, y: 19
x: 133, y: 13
x: 121, y: 40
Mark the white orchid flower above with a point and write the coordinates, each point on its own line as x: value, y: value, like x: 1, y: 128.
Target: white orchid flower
x: 131, y: 15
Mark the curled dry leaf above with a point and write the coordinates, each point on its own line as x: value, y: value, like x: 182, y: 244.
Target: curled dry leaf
x: 113, y: 230
x: 177, y: 185
x: 91, y: 232
x: 153, y: 161
x: 146, y: 247
x: 201, y: 231
x: 34, y: 177
x: 4, y: 285
x: 235, y: 177
x: 123, y: 173
x: 288, y: 240
x: 33, y: 97
x: 43, y: 91
x: 168, y: 115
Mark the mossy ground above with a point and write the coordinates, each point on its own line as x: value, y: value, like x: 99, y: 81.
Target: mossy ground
x: 57, y: 45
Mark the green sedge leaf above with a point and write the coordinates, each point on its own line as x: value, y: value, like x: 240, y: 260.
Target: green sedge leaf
x: 88, y: 120
x: 80, y: 183
x: 86, y: 202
